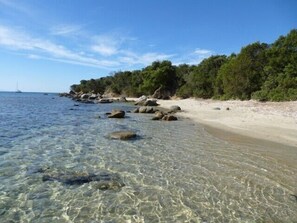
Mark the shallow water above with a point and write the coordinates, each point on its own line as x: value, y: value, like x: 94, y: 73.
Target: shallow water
x: 174, y: 172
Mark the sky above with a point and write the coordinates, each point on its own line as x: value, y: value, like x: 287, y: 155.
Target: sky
x: 48, y: 45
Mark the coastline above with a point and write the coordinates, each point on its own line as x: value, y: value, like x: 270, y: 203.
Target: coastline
x: 274, y: 122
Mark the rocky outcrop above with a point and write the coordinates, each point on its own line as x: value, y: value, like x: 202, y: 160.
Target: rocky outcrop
x: 117, y: 114
x: 104, y: 180
x: 123, y: 135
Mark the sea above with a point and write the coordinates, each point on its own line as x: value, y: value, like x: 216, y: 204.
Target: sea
x: 172, y: 172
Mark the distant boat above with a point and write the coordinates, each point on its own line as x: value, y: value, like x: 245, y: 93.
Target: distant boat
x: 17, y: 89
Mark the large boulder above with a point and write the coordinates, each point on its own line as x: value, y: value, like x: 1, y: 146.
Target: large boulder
x: 150, y: 103
x: 122, y: 135
x: 146, y: 109
x: 161, y: 93
x: 174, y: 108
x: 122, y: 99
x: 117, y: 114
x: 169, y: 118
x: 141, y: 100
x: 158, y: 115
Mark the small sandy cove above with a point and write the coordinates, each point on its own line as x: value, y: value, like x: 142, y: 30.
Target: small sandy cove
x: 272, y: 121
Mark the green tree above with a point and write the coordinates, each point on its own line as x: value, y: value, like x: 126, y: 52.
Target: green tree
x: 204, y: 76
x: 244, y: 74
x: 159, y: 74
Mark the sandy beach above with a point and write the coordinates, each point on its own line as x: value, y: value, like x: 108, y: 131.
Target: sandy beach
x: 272, y: 121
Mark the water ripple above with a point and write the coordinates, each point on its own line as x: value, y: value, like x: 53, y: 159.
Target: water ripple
x: 175, y: 172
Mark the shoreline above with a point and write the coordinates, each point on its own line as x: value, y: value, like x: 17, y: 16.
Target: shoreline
x: 274, y: 122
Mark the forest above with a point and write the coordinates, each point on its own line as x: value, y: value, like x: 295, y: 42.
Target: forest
x: 260, y: 71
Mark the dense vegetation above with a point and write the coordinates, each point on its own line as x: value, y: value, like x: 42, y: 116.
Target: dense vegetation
x: 266, y: 72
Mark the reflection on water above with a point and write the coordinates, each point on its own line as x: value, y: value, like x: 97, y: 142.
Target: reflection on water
x: 176, y: 171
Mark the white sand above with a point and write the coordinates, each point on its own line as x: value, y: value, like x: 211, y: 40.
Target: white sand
x: 273, y: 121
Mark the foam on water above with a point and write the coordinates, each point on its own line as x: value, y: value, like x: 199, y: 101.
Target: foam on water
x: 175, y: 172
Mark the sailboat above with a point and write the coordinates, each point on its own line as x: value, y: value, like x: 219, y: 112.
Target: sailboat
x: 17, y: 89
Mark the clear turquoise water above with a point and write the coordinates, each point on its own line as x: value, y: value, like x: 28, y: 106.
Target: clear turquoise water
x: 175, y: 172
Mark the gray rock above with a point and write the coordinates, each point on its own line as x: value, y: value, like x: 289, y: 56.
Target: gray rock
x: 158, y: 115
x: 136, y: 110
x: 122, y: 135
x: 141, y: 100
x: 146, y: 109
x: 93, y: 97
x: 174, y: 108
x: 122, y: 99
x: 169, y: 118
x: 117, y: 114
x: 216, y: 108
x: 85, y: 96
x: 105, y: 101
x: 151, y: 103
x: 142, y: 110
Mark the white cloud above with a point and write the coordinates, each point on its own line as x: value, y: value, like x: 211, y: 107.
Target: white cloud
x: 202, y: 51
x: 194, y: 57
x: 131, y: 58
x: 64, y: 30
x: 19, y: 41
x: 106, y: 45
x: 104, y: 51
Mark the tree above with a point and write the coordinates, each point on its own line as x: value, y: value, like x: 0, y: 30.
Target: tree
x: 159, y: 74
x: 244, y: 74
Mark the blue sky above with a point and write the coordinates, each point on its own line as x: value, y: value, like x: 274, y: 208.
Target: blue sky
x: 48, y: 45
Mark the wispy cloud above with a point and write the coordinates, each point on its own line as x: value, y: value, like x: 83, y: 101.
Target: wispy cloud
x: 199, y: 51
x: 131, y: 58
x: 109, y: 44
x: 194, y: 57
x: 65, y: 30
x: 104, y: 51
x: 46, y: 49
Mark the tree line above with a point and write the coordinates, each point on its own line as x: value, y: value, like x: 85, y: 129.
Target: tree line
x: 265, y: 72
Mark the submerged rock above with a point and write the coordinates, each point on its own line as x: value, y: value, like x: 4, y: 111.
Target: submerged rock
x: 105, y: 101
x: 123, y: 135
x: 104, y: 180
x: 117, y: 114
x: 169, y: 118
x: 146, y: 109
x: 158, y: 115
